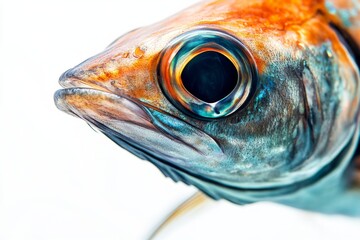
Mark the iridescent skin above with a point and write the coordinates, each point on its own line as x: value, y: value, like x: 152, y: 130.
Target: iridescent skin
x: 294, y: 141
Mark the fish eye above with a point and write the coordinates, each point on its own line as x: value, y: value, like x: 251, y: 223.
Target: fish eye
x: 207, y: 73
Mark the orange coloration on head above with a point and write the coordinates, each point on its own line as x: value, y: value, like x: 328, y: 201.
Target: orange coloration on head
x: 129, y: 65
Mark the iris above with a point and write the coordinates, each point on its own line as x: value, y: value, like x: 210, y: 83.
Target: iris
x: 207, y: 73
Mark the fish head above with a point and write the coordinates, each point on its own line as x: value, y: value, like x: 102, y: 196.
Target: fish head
x: 225, y: 94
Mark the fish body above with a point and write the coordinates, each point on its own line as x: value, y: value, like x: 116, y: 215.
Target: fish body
x: 246, y: 100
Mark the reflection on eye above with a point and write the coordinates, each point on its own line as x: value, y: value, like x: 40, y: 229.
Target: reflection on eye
x: 207, y: 73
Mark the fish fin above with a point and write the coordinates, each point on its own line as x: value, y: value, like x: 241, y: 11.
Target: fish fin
x: 188, y: 205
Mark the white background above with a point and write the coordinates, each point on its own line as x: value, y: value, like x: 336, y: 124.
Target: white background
x: 61, y: 180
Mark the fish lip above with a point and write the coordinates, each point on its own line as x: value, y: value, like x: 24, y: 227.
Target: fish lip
x: 128, y: 110
x: 70, y: 79
x: 60, y: 96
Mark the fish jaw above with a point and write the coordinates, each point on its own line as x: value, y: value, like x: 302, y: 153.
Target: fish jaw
x: 148, y: 132
x: 87, y: 103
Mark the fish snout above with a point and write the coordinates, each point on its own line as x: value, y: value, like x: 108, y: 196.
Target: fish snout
x: 81, y: 76
x: 68, y: 79
x: 121, y: 71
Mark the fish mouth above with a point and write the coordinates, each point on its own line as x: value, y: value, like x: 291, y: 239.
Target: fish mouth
x: 76, y: 78
x: 99, y: 104
x: 82, y: 98
x: 88, y: 100
x: 117, y: 117
x: 111, y: 113
x: 146, y: 131
x: 141, y: 131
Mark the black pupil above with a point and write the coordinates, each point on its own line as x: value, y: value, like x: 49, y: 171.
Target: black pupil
x: 210, y: 76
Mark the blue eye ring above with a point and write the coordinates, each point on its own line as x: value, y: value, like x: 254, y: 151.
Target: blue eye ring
x: 181, y: 50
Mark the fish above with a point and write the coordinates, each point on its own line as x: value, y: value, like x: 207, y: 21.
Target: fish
x: 248, y: 101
